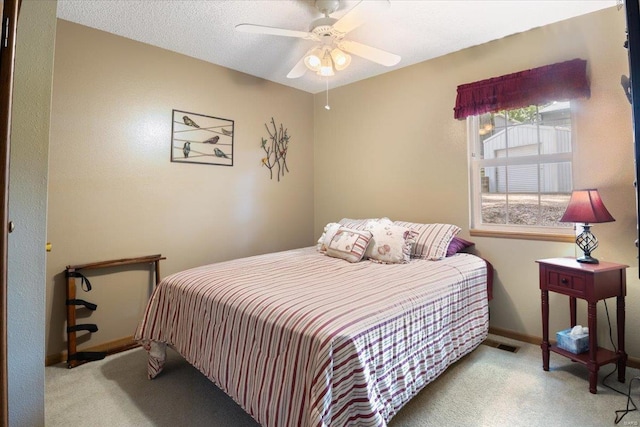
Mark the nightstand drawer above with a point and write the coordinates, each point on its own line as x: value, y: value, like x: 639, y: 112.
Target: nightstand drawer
x: 566, y: 283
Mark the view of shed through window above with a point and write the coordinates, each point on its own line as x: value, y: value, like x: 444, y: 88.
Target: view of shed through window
x: 521, y: 166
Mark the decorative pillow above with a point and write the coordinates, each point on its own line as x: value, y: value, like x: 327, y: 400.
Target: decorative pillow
x: 361, y: 224
x: 458, y: 244
x: 348, y: 244
x: 328, y: 233
x: 432, y: 241
x: 390, y: 244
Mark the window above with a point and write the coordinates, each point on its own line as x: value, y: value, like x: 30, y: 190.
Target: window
x: 520, y: 149
x: 520, y: 169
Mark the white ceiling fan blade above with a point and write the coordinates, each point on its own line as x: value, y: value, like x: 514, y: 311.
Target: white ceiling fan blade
x: 298, y: 70
x: 262, y: 29
x: 360, y: 13
x: 371, y: 53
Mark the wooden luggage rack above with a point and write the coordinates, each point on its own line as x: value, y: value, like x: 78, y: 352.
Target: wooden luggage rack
x: 74, y: 357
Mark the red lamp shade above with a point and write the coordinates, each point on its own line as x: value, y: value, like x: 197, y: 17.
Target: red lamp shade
x: 586, y: 206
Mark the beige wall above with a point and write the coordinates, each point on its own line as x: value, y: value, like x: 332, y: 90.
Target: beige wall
x: 389, y: 146
x: 113, y: 192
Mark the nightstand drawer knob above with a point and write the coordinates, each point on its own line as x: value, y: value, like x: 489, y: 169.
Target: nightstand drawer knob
x: 564, y: 281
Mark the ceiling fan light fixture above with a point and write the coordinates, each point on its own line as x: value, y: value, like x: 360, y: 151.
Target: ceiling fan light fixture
x: 341, y: 60
x: 313, y: 59
x: 326, y: 67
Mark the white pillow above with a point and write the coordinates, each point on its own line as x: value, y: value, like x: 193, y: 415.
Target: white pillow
x: 348, y: 244
x: 432, y: 240
x: 361, y: 224
x: 329, y: 231
x: 390, y: 244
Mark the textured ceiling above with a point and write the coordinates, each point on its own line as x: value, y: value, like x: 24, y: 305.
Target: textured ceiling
x: 416, y: 30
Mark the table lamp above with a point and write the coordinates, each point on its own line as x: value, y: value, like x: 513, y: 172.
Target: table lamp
x: 585, y: 206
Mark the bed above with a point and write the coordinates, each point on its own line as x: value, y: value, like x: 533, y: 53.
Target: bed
x: 299, y: 338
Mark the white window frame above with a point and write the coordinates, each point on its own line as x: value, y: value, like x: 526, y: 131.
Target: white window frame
x: 476, y: 226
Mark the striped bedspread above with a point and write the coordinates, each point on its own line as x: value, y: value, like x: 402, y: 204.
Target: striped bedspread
x: 301, y: 339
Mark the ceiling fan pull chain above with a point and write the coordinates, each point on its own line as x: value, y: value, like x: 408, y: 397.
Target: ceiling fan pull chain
x: 327, y: 107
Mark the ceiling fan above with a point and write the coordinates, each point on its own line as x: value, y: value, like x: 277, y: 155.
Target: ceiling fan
x: 332, y: 50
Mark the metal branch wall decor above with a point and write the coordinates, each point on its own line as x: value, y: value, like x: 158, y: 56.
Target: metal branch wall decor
x: 276, y: 149
x: 201, y: 139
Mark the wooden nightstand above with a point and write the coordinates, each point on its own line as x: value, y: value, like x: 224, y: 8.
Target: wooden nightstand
x: 590, y: 282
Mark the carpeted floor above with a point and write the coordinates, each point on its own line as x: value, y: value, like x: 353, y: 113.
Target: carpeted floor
x: 489, y: 387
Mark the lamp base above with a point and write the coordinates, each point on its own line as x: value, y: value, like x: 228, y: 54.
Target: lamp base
x: 588, y: 243
x: 588, y: 259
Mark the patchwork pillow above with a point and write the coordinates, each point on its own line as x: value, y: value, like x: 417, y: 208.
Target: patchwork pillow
x: 432, y: 240
x: 390, y: 244
x: 348, y: 244
x: 458, y: 244
x: 361, y: 224
x: 329, y: 231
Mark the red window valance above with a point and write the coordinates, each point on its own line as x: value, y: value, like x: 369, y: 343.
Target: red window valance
x: 555, y: 82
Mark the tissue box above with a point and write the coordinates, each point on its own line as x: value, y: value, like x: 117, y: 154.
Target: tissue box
x: 576, y: 344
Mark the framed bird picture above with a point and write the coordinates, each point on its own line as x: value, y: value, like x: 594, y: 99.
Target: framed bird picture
x: 197, y: 138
